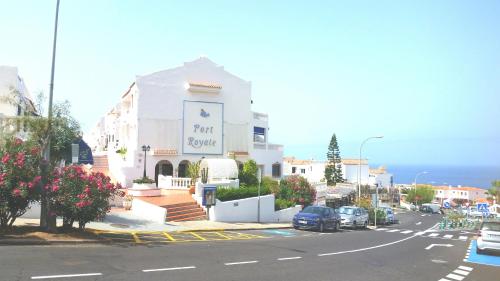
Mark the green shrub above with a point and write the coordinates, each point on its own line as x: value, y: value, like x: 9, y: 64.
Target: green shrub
x: 248, y: 175
x: 228, y: 194
x: 144, y: 180
x: 280, y: 204
x: 380, y: 215
x: 298, y: 190
x: 272, y: 184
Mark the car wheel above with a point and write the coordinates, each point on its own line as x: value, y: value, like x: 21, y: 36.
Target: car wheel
x: 365, y: 225
x: 321, y: 227
x: 337, y: 227
x: 354, y: 226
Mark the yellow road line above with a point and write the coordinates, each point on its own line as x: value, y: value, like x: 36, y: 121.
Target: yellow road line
x: 223, y: 236
x: 197, y: 236
x: 136, y: 238
x: 169, y: 236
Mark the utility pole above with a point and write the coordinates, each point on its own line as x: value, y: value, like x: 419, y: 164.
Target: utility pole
x: 47, y: 219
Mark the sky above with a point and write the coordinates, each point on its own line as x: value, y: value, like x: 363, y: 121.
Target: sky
x: 424, y: 74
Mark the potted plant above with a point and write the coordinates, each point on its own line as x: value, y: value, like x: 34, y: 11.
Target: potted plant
x: 144, y: 182
x: 193, y: 172
x: 123, y: 152
x: 127, y: 202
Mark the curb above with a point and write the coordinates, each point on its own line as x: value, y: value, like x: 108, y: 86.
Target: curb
x: 235, y: 229
x: 34, y: 242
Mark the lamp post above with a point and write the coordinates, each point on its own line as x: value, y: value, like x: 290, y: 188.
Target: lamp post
x: 145, y: 149
x: 416, y: 177
x: 359, y: 164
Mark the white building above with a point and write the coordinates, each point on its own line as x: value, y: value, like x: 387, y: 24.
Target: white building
x: 350, y: 168
x: 381, y: 178
x: 15, y: 99
x: 469, y: 194
x: 184, y: 114
x: 312, y: 170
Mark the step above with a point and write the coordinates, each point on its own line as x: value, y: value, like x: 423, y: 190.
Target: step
x: 198, y: 218
x: 185, y: 216
x: 181, y: 212
x: 169, y: 206
x: 185, y: 207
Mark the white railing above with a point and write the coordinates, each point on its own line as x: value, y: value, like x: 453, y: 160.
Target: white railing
x: 169, y: 182
x: 260, y: 116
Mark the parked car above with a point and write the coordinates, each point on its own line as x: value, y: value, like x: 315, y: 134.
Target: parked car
x: 352, y: 216
x: 389, y: 215
x: 430, y: 208
x: 488, y: 237
x: 317, y: 217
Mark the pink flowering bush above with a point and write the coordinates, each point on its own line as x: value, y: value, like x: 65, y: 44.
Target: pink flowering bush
x: 79, y: 196
x: 298, y: 190
x: 19, y: 179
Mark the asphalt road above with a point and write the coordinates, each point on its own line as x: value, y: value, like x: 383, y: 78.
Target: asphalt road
x: 397, y: 252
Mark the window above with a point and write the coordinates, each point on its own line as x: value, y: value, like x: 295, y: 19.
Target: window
x: 276, y: 170
x: 259, y: 134
x: 294, y: 169
x: 302, y: 171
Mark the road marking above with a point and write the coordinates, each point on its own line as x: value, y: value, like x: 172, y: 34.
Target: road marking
x: 420, y: 233
x: 290, y: 258
x: 406, y: 231
x: 365, y: 249
x: 422, y: 215
x: 465, y: 268
x: 461, y: 272
x: 433, y: 235
x: 443, y: 279
x: 168, y: 236
x: 462, y: 238
x: 241, y: 262
x: 222, y: 235
x: 448, y: 236
x: 380, y: 229
x: 197, y: 236
x: 168, y: 269
x: 392, y: 230
x: 419, y: 223
x: 455, y: 277
x: 325, y: 233
x: 136, y: 238
x: 66, y: 276
x: 438, y: 245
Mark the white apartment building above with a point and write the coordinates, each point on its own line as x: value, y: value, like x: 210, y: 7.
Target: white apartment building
x: 350, y: 170
x: 381, y: 178
x: 15, y: 99
x: 194, y: 111
x: 470, y: 194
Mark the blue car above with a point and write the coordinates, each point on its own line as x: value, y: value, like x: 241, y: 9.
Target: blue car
x: 318, y: 218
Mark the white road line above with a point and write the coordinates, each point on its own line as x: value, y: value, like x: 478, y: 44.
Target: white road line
x: 420, y: 233
x: 325, y: 233
x: 465, y: 268
x: 290, y: 258
x: 455, y: 277
x: 392, y: 230
x: 380, y: 229
x: 443, y: 279
x: 407, y: 231
x: 462, y: 238
x: 433, y: 235
x: 461, y: 272
x: 419, y: 223
x: 365, y: 249
x: 66, y: 276
x: 422, y: 215
x: 168, y: 269
x: 448, y: 236
x: 241, y: 262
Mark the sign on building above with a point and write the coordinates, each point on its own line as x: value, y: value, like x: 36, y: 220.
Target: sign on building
x: 203, y: 128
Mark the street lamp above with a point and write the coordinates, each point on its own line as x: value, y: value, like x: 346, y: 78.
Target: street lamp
x: 416, y: 176
x: 359, y: 166
x: 145, y: 149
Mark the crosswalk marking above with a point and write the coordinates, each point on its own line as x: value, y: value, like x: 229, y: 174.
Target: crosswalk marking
x: 393, y: 230
x: 443, y: 279
x: 380, y: 229
x: 465, y: 268
x: 433, y: 235
x: 448, y: 236
x: 461, y: 272
x: 455, y: 277
x: 420, y: 233
x: 407, y: 231
x: 462, y: 238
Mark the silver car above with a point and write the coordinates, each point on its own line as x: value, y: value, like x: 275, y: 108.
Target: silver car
x: 488, y: 236
x: 352, y: 216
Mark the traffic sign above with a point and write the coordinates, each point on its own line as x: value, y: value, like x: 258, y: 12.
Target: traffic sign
x: 446, y: 205
x: 482, y: 207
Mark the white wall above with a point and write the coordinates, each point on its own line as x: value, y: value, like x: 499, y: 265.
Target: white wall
x: 148, y: 211
x: 384, y: 180
x: 350, y: 173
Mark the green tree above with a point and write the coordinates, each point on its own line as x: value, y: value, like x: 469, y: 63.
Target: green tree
x: 494, y: 191
x: 422, y: 194
x: 333, y: 170
x: 248, y: 175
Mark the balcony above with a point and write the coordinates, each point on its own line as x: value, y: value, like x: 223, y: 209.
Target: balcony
x: 260, y: 116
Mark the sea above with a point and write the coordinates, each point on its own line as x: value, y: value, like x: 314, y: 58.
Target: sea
x: 474, y: 176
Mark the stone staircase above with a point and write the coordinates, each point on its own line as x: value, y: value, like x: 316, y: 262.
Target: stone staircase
x: 187, y: 211
x: 101, y: 164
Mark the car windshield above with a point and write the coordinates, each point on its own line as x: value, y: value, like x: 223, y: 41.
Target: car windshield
x: 493, y: 226
x: 313, y: 210
x: 346, y: 211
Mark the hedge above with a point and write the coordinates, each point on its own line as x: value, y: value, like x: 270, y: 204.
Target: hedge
x: 228, y: 194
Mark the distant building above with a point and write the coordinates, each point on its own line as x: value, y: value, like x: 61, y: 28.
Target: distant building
x: 350, y: 170
x: 381, y: 178
x: 459, y: 194
x: 312, y: 170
